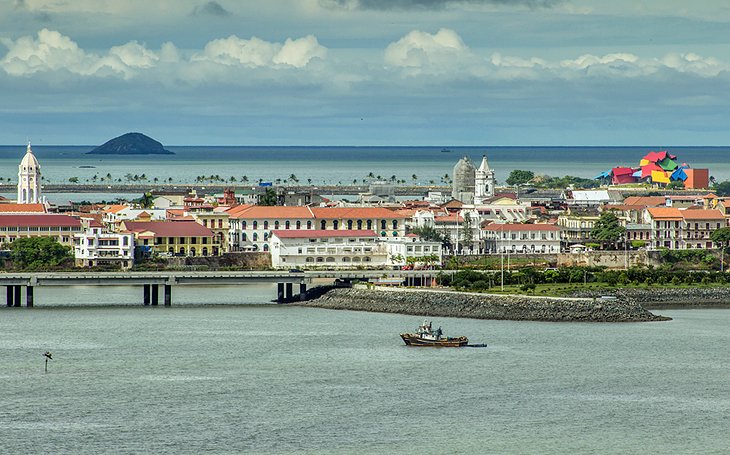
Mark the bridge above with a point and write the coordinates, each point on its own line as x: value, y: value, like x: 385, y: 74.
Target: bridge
x: 155, y: 284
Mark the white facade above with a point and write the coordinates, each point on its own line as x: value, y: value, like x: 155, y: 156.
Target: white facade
x: 327, y: 249
x: 484, y: 182
x: 522, y: 238
x: 94, y: 247
x: 420, y: 252
x: 29, y: 179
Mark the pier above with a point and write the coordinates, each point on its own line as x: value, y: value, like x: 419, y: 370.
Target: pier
x: 291, y: 285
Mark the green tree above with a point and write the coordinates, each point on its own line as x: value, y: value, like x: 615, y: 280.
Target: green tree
x: 722, y: 237
x: 519, y: 177
x: 147, y: 201
x: 268, y: 198
x: 723, y: 188
x: 607, y: 228
x: 38, y: 252
x: 73, y: 180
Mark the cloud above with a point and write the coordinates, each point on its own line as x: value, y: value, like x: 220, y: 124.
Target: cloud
x: 385, y: 5
x: 256, y: 52
x: 423, y: 50
x: 212, y: 8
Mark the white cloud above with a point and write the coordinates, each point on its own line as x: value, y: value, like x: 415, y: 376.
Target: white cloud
x: 299, y: 52
x: 256, y: 52
x: 422, y: 50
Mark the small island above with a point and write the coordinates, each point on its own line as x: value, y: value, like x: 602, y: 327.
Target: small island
x: 131, y: 144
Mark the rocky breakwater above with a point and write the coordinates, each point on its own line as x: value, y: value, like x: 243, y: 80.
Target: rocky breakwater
x: 658, y: 297
x: 484, y: 306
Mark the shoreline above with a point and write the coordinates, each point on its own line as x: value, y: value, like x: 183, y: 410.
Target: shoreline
x: 446, y: 303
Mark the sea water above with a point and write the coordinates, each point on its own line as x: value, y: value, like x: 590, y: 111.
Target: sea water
x: 276, y: 379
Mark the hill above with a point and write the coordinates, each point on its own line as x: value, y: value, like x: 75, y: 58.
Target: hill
x: 131, y: 144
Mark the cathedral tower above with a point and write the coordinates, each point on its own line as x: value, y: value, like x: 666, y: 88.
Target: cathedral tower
x: 29, y: 179
x: 483, y: 182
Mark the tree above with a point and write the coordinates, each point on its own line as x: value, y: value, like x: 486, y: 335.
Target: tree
x: 268, y: 198
x: 721, y: 236
x: 73, y: 180
x: 519, y: 177
x: 723, y: 188
x: 147, y: 201
x: 607, y: 228
x: 38, y: 252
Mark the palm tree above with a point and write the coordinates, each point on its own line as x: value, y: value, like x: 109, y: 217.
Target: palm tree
x: 293, y: 178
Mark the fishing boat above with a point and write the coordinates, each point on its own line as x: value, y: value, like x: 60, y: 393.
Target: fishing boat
x: 425, y: 336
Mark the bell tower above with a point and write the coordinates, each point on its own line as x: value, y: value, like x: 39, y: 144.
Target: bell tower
x: 484, y: 182
x: 29, y: 179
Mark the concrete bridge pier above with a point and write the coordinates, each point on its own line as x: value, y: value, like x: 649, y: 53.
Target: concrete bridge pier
x: 168, y: 295
x: 155, y: 294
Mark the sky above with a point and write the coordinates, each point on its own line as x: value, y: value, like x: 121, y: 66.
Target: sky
x: 366, y: 72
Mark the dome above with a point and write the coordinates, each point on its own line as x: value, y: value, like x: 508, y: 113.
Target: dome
x: 29, y: 160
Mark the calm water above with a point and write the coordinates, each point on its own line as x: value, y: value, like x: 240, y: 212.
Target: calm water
x: 277, y: 379
x: 332, y: 165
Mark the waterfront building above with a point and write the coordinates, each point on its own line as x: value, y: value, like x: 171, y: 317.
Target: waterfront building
x: 179, y: 238
x: 251, y: 225
x: 114, y: 214
x: 576, y: 224
x: 331, y: 249
x: 95, y: 247
x: 29, y: 179
x: 689, y: 228
x: 414, y: 250
x: 484, y: 182
x: 215, y: 219
x: 522, y: 238
x: 60, y: 227
x: 464, y: 179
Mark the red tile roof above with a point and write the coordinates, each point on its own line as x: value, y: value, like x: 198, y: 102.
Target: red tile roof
x: 22, y: 208
x: 320, y: 233
x: 701, y: 214
x: 646, y: 201
x: 338, y: 213
x: 671, y: 213
x: 168, y: 228
x: 262, y: 212
x: 39, y: 221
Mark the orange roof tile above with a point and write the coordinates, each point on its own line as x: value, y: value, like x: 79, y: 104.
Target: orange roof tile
x: 521, y: 227
x: 646, y: 201
x: 670, y: 213
x: 270, y: 212
x: 22, y: 208
x: 702, y: 214
x: 338, y: 213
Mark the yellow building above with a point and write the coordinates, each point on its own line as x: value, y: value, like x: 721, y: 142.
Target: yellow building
x: 180, y: 238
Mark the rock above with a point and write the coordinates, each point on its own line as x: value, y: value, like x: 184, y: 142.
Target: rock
x: 131, y: 144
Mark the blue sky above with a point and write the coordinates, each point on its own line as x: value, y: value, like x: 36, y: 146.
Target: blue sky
x: 366, y: 72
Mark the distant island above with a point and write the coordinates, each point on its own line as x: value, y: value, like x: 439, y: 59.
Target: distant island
x: 131, y: 144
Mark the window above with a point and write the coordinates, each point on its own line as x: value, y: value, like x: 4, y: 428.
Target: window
x: 243, y: 225
x: 335, y: 225
x: 220, y: 223
x: 243, y: 237
x: 395, y: 224
x: 370, y: 224
x: 383, y: 225
x: 266, y: 225
x: 192, y: 251
x: 299, y: 225
x: 266, y: 247
x: 309, y: 225
x: 359, y: 225
x: 205, y: 223
x: 287, y: 225
x: 276, y: 225
x: 255, y: 237
x: 205, y: 251
x: 323, y: 225
x: 349, y: 225
x: 255, y: 225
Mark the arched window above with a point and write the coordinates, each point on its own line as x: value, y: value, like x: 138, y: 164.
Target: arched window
x: 323, y: 225
x: 276, y: 224
x: 359, y: 225
x: 192, y: 251
x: 299, y: 224
x: 255, y: 225
x: 335, y: 225
x: 349, y: 225
x: 383, y: 224
x: 266, y: 247
x: 266, y: 225
x: 330, y: 259
x: 205, y: 251
x: 309, y: 225
x: 182, y: 250
x: 125, y: 241
x: 395, y: 224
x: 345, y: 259
x: 266, y: 236
x: 309, y: 259
x: 287, y: 225
x: 320, y: 259
x: 255, y: 237
x: 243, y: 224
x: 244, y: 237
x: 370, y: 224
x: 171, y: 250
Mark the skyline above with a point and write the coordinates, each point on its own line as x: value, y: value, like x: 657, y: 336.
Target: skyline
x: 366, y: 72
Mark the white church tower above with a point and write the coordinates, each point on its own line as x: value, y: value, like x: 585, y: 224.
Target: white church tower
x: 483, y: 182
x: 29, y: 179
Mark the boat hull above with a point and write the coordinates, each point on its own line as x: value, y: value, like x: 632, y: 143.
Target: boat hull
x: 412, y: 339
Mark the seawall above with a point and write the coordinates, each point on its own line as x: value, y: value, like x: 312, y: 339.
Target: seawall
x: 484, y: 306
x: 658, y: 297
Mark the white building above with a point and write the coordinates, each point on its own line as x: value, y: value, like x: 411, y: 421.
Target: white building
x: 95, y: 247
x: 29, y: 179
x: 483, y: 182
x: 522, y: 238
x: 327, y: 249
x: 413, y: 249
